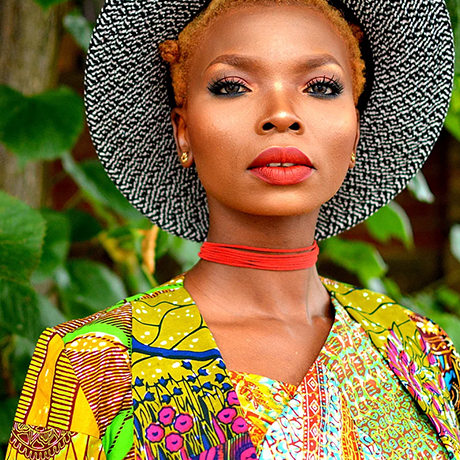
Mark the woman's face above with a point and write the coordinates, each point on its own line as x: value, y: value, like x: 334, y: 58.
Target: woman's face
x: 267, y: 77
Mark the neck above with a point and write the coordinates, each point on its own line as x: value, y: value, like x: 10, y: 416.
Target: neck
x: 252, y: 292
x: 260, y: 292
x: 276, y: 232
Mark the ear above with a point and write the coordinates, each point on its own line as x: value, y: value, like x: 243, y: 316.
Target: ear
x: 355, y: 144
x: 180, y: 129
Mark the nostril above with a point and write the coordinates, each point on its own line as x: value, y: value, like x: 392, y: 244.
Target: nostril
x: 268, y: 126
x: 294, y: 126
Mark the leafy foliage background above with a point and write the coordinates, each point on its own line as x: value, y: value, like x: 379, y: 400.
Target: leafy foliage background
x: 42, y: 285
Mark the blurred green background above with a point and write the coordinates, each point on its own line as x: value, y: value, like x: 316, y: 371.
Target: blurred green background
x: 70, y: 243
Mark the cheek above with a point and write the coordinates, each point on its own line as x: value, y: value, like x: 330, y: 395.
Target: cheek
x: 338, y: 134
x: 217, y: 139
x: 335, y: 136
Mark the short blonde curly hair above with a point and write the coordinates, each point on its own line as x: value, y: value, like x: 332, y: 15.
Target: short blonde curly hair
x: 177, y: 53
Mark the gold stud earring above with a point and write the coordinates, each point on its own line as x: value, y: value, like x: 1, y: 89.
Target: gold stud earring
x: 353, y: 157
x: 184, y: 157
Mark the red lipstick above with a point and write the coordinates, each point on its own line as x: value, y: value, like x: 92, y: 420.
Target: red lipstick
x: 282, y: 166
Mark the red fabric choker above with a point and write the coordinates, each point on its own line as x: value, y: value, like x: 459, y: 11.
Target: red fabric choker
x: 260, y: 258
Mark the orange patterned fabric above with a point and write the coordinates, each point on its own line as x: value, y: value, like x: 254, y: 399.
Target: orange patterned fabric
x: 262, y: 400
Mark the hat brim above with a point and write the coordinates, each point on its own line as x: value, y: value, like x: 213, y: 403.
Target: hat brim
x: 128, y: 105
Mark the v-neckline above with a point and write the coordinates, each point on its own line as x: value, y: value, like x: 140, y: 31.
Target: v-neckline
x: 328, y: 337
x: 331, y: 334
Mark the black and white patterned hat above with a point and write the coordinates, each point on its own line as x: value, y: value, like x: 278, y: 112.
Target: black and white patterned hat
x: 128, y: 103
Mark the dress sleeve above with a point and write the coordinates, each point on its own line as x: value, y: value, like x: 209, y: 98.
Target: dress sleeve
x: 53, y: 418
x: 450, y: 365
x: 441, y: 351
x: 76, y: 402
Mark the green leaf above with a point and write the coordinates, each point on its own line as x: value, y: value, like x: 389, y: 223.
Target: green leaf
x: 452, y: 122
x: 79, y: 27
x: 449, y: 298
x: 420, y: 189
x: 50, y: 316
x: 40, y: 127
x: 7, y: 411
x: 45, y: 4
x: 185, y: 252
x: 392, y: 289
x: 391, y: 221
x: 164, y: 242
x: 19, y: 312
x: 22, y: 231
x: 359, y: 258
x: 376, y: 285
x: 83, y: 226
x: 56, y: 245
x: 20, y: 359
x: 87, y: 287
x: 12, y: 103
x: 455, y: 241
x: 94, y: 182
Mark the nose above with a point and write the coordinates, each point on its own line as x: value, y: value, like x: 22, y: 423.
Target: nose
x: 280, y: 116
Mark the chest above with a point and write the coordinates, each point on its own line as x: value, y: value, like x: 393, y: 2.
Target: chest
x: 283, y: 351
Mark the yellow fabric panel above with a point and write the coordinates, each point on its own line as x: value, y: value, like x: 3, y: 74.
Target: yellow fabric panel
x: 65, y: 387
x: 43, y: 382
x: 52, y: 396
x: 102, y: 365
x: 83, y: 447
x: 29, y: 388
x: 83, y: 420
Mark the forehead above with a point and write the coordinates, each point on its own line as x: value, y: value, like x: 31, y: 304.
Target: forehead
x: 277, y: 34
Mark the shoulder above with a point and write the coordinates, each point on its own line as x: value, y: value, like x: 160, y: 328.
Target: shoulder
x: 68, y: 345
x: 114, y: 321
x: 376, y: 311
x: 75, y: 367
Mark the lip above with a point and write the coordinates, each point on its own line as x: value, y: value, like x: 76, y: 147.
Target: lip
x: 282, y: 175
x: 281, y: 155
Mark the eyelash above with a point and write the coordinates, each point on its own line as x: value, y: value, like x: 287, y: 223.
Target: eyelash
x: 216, y: 86
x: 333, y: 84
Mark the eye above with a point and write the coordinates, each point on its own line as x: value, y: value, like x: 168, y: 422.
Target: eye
x: 228, y: 87
x: 324, y: 87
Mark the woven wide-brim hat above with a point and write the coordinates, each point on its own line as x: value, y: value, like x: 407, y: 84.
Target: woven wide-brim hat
x: 410, y: 57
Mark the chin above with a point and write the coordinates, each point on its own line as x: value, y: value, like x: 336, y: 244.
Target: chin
x: 287, y: 209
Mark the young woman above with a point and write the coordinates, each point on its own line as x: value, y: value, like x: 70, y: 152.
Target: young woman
x: 251, y: 354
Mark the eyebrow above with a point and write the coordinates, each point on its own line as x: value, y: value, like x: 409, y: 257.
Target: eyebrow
x: 248, y: 62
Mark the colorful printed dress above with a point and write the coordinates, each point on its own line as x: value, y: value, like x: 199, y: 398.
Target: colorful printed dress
x: 145, y: 380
